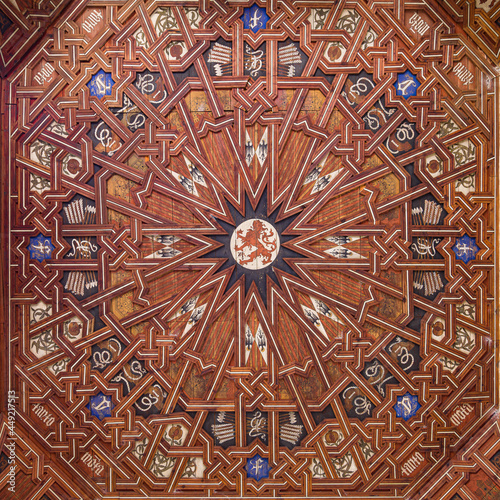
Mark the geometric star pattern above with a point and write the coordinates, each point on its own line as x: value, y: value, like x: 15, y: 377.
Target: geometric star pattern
x: 348, y: 151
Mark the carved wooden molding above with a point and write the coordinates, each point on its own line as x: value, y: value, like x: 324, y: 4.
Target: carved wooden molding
x: 250, y: 250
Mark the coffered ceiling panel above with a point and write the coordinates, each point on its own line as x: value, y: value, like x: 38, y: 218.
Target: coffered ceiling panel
x: 249, y: 250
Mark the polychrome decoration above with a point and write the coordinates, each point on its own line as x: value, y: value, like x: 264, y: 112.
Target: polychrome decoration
x: 250, y: 249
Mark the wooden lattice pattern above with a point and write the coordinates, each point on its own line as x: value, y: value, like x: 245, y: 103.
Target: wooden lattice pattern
x: 251, y: 250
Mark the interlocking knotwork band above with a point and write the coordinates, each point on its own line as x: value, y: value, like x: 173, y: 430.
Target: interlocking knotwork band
x: 250, y: 249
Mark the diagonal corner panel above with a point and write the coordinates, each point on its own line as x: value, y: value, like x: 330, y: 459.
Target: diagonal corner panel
x: 251, y: 252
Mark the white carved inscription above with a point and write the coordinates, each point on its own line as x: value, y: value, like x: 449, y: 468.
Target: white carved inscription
x: 412, y: 463
x: 418, y: 25
x: 43, y: 414
x: 460, y: 413
x: 93, y: 463
x: 44, y: 74
x: 92, y: 20
x: 463, y: 74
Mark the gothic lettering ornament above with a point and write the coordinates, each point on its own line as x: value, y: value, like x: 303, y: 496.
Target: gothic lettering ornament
x: 41, y: 248
x: 257, y: 426
x: 101, y: 84
x: 258, y: 468
x: 255, y: 18
x: 407, y: 406
x: 407, y: 85
x: 101, y: 406
x: 465, y: 248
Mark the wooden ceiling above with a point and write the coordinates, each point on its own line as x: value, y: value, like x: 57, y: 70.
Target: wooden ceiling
x: 249, y: 249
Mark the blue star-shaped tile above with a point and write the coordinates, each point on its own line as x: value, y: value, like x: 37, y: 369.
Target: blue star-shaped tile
x: 41, y: 248
x: 100, y: 406
x: 254, y: 18
x: 407, y: 406
x: 258, y: 467
x: 407, y: 85
x: 101, y: 84
x: 465, y: 248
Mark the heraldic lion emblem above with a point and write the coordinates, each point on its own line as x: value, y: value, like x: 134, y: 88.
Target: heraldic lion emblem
x: 259, y: 241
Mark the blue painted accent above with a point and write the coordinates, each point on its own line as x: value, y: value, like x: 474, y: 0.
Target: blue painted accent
x: 407, y: 85
x: 100, y: 406
x: 101, y: 84
x: 465, y: 248
x: 258, y: 468
x: 41, y: 248
x: 407, y: 406
x: 254, y: 18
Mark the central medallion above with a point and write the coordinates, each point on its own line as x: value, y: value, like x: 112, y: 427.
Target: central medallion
x: 255, y: 244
